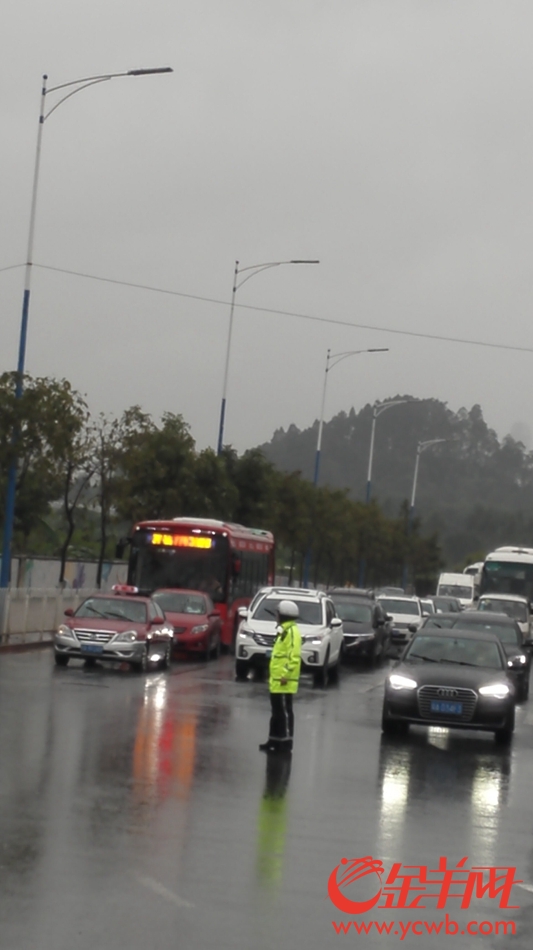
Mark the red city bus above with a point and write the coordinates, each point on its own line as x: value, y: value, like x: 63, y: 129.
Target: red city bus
x: 227, y: 561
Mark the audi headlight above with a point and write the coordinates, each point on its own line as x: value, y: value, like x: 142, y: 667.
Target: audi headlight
x: 128, y: 637
x: 495, y: 690
x: 201, y: 628
x: 401, y: 682
x: 64, y: 631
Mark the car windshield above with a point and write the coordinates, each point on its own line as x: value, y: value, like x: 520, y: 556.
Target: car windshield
x: 513, y: 608
x: 461, y: 650
x: 113, y: 608
x: 504, y: 631
x: 309, y: 612
x: 409, y: 607
x: 353, y: 611
x: 454, y: 590
x: 181, y: 603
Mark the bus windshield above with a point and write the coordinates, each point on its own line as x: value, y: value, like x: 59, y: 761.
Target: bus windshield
x: 154, y: 566
x: 507, y: 577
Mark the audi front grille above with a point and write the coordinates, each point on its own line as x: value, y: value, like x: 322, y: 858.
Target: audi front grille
x: 451, y: 694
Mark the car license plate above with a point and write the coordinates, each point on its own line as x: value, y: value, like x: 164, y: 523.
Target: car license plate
x: 451, y: 709
x: 91, y: 648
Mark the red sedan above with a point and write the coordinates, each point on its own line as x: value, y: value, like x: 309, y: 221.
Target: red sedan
x: 196, y: 623
x: 118, y: 627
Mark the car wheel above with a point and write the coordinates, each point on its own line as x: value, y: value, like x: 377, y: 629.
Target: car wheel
x: 321, y: 676
x: 241, y: 669
x: 141, y: 666
x: 393, y: 727
x: 504, y: 735
x: 61, y: 659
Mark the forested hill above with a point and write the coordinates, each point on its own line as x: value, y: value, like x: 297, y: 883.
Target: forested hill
x: 476, y: 491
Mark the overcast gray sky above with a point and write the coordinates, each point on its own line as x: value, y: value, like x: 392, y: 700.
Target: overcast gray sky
x: 391, y: 139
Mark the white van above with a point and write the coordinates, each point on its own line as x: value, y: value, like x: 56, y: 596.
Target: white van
x: 461, y: 586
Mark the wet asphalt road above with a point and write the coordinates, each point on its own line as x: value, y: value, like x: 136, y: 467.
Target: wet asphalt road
x: 137, y: 812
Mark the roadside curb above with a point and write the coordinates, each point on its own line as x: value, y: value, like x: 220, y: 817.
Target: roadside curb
x: 22, y: 647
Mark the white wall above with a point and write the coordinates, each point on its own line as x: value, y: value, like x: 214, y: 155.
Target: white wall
x: 43, y: 573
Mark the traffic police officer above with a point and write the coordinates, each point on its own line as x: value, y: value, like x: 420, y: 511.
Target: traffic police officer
x: 283, y: 678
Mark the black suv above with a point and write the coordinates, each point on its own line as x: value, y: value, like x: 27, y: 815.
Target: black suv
x: 367, y: 629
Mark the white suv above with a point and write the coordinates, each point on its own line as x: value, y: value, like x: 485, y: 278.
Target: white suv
x: 321, y: 631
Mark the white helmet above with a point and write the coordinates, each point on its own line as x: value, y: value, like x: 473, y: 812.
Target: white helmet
x: 287, y: 608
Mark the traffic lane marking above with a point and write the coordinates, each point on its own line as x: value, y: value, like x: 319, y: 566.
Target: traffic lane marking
x: 162, y: 891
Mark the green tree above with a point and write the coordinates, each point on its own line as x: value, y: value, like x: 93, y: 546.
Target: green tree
x: 35, y: 433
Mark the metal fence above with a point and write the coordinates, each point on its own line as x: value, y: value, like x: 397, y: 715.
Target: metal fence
x: 33, y: 615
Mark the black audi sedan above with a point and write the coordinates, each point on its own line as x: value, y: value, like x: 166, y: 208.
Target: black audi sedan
x: 453, y: 678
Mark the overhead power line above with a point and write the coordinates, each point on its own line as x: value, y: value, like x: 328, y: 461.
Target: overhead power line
x: 440, y: 338
x: 11, y: 267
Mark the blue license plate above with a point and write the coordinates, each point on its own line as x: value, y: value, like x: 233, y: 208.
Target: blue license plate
x: 450, y: 709
x: 91, y: 648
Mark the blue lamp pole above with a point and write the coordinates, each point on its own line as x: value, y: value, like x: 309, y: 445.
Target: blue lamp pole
x: 74, y: 86
x: 421, y: 447
x: 254, y: 269
x: 332, y: 359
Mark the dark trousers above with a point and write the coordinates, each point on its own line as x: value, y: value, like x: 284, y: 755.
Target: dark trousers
x: 281, y: 720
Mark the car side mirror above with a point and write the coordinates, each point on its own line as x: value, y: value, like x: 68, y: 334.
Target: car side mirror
x: 155, y: 621
x: 528, y: 644
x: 412, y: 628
x: 69, y: 612
x: 335, y: 622
x: 242, y: 612
x: 380, y: 622
x: 388, y: 618
x: 216, y: 613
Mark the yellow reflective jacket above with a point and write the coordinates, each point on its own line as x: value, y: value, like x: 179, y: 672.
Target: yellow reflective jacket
x: 286, y: 659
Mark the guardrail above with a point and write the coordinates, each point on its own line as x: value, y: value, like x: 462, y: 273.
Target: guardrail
x: 28, y: 615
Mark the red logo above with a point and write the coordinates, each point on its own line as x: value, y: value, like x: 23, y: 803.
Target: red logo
x: 353, y: 869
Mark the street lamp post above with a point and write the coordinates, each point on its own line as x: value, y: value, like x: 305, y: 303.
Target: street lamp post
x: 421, y: 447
x: 75, y: 86
x: 376, y: 412
x: 378, y: 409
x: 332, y: 359
x: 254, y: 269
